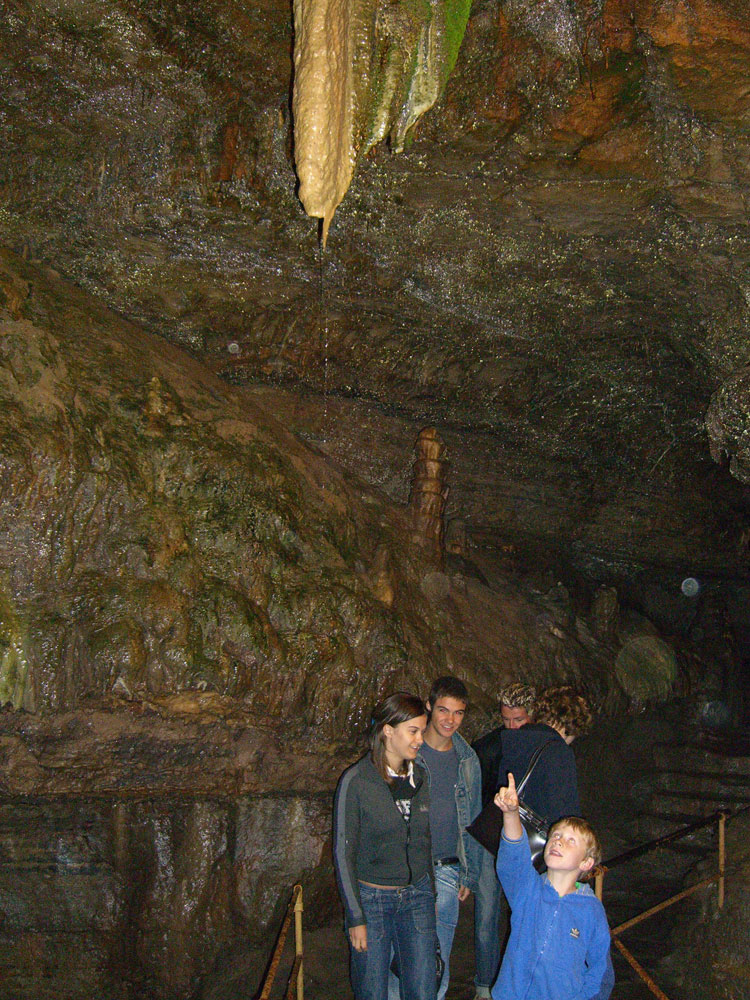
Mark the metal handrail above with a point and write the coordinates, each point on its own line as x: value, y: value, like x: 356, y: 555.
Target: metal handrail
x: 651, y: 845
x: 722, y: 816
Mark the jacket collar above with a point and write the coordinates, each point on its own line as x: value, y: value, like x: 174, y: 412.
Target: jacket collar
x: 462, y: 748
x: 581, y: 889
x: 372, y: 773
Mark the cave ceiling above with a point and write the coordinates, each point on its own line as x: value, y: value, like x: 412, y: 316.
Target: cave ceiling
x: 554, y: 271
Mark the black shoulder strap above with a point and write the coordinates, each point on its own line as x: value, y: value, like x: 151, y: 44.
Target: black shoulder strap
x: 532, y: 764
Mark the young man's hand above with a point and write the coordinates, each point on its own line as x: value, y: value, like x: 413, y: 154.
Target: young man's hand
x: 507, y: 798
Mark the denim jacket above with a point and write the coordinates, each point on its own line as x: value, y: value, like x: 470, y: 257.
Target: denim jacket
x: 468, y: 807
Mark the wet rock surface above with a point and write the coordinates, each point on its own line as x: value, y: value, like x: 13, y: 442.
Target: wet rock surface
x: 554, y: 272
x: 147, y: 850
x: 165, y: 533
x: 161, y: 532
x: 207, y: 424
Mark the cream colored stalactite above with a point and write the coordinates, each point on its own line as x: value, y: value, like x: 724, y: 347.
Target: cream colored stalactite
x: 323, y: 105
x: 424, y: 89
x: 363, y: 70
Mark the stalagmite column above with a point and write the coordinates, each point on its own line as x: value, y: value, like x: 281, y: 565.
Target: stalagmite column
x: 429, y: 492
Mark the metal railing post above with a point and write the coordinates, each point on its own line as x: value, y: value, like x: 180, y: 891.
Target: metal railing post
x: 636, y: 852
x: 722, y: 856
x: 294, y: 908
x: 298, y: 908
x: 630, y: 958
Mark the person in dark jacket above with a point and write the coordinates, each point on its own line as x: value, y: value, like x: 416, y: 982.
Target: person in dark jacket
x: 382, y: 854
x: 516, y: 710
x: 561, y: 714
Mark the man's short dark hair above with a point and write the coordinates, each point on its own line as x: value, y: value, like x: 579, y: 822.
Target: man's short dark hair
x: 448, y: 687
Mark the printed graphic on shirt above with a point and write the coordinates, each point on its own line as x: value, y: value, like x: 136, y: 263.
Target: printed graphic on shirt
x: 575, y: 932
x: 403, y: 792
x: 404, y: 807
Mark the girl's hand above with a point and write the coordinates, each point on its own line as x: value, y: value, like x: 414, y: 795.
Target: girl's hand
x: 507, y: 798
x: 358, y: 937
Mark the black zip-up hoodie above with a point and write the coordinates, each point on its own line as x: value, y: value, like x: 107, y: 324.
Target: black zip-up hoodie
x: 371, y: 839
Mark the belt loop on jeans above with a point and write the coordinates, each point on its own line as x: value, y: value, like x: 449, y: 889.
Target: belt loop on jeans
x: 446, y: 862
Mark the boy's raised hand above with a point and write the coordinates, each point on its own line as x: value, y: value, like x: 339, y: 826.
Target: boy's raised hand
x: 507, y: 798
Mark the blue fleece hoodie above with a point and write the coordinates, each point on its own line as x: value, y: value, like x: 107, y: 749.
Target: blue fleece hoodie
x: 559, y: 945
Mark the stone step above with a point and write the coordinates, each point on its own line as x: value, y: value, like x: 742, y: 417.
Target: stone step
x: 710, y: 778
x: 697, y: 757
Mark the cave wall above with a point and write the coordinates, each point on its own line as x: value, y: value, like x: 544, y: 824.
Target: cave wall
x: 165, y: 533
x: 207, y: 574
x: 158, y: 898
x: 553, y: 271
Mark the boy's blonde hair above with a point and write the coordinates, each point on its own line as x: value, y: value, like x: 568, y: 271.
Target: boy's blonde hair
x: 586, y: 832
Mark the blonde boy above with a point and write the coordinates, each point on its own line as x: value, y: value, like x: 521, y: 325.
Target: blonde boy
x: 559, y: 939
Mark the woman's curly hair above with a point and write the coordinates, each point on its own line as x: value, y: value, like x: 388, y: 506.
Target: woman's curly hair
x: 564, y: 708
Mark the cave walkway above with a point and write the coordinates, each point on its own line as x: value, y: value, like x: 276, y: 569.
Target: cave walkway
x: 694, y: 779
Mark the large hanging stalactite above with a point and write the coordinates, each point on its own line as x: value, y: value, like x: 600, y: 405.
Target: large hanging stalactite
x: 364, y: 70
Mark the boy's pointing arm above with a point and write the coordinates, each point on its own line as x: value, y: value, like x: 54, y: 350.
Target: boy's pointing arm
x: 507, y: 800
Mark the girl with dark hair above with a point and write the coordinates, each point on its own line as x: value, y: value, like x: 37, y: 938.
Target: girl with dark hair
x: 383, y: 856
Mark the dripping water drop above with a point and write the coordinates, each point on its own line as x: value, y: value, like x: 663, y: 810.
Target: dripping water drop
x: 323, y: 325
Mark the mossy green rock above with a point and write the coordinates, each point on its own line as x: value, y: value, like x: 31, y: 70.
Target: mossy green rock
x: 163, y: 534
x: 646, y: 667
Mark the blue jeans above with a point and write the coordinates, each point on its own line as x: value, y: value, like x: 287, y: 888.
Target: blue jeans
x: 402, y: 921
x: 446, y: 919
x: 488, y: 904
x: 447, y: 886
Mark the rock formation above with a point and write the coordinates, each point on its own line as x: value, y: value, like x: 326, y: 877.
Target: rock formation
x: 363, y: 70
x: 207, y: 570
x: 429, y: 493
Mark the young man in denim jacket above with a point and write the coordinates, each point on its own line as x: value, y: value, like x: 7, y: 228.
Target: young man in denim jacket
x: 455, y: 800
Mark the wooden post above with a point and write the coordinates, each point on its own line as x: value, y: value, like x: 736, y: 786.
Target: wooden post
x: 298, y: 908
x: 722, y: 846
x: 276, y: 957
x: 599, y: 881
